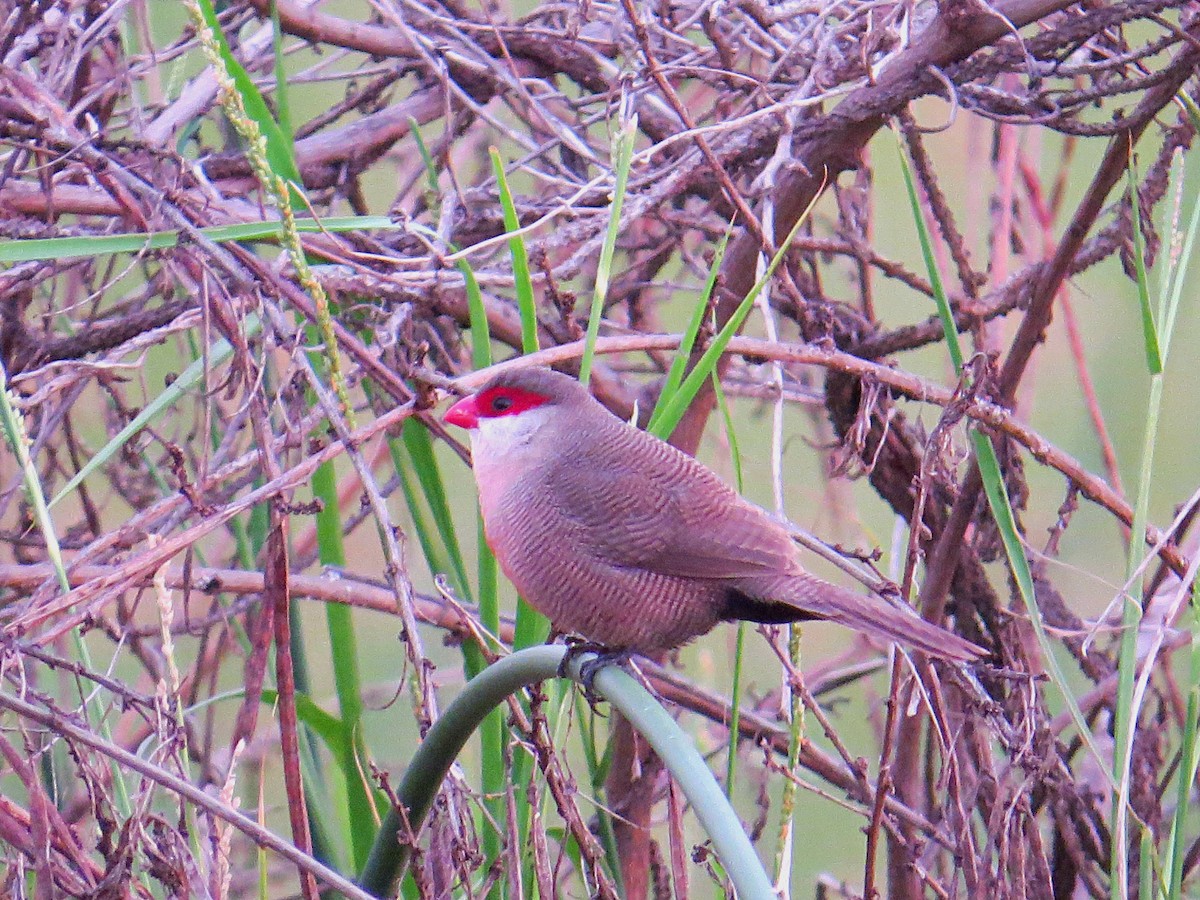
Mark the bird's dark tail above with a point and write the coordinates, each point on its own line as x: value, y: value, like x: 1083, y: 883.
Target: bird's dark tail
x: 796, y: 597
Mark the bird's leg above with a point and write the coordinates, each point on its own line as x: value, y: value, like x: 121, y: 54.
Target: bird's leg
x: 604, y: 656
x: 590, y: 669
x: 576, y: 647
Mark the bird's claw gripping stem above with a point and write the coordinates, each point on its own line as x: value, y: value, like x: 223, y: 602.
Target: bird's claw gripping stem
x: 604, y: 656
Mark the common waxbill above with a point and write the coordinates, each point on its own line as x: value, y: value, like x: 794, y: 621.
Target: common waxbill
x: 619, y: 537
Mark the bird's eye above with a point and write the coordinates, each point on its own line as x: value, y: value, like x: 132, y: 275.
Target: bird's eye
x: 501, y: 404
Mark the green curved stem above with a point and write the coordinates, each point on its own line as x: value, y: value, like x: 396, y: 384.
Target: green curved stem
x: 389, y: 858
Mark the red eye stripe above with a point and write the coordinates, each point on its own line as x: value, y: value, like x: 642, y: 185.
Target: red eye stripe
x: 506, y: 401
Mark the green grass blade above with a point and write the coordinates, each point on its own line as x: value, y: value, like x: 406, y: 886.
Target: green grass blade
x: 678, y: 404
x: 684, y: 352
x: 481, y: 336
x: 279, y: 146
x: 282, y: 97
x: 12, y: 424
x: 1171, y: 284
x: 1189, y: 764
x: 17, y: 438
x: 993, y: 483
x: 434, y: 551
x: 735, y: 455
x: 76, y: 247
x: 997, y: 496
x: 329, y: 730
x: 431, y: 170
x: 420, y: 451
x: 1177, y: 278
x: 493, y: 732
x: 324, y: 800
x: 99, y: 245
x: 1170, y: 225
x: 328, y: 727
x: 1131, y: 616
x: 1146, y: 864
x: 939, y: 292
x: 343, y: 652
x: 1154, y: 360
x: 1126, y: 711
x: 622, y: 159
x: 481, y: 358
x: 597, y: 767
x: 522, y: 281
x: 531, y: 626
x: 189, y: 378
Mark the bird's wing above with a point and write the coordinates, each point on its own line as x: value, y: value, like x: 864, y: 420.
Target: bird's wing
x: 670, y: 516
x: 734, y: 539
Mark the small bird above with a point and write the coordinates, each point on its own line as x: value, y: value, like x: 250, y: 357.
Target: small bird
x: 618, y: 537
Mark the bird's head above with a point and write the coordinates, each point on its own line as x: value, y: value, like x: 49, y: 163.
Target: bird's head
x: 514, y: 405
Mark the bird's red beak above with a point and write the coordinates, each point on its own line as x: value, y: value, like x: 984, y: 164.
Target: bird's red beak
x: 464, y: 413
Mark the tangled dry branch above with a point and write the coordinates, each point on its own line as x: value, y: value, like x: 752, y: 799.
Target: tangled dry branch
x: 745, y: 112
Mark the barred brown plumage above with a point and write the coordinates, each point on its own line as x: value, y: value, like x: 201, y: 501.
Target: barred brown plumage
x: 621, y: 538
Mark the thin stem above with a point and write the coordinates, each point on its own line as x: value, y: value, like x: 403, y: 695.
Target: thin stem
x: 449, y: 734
